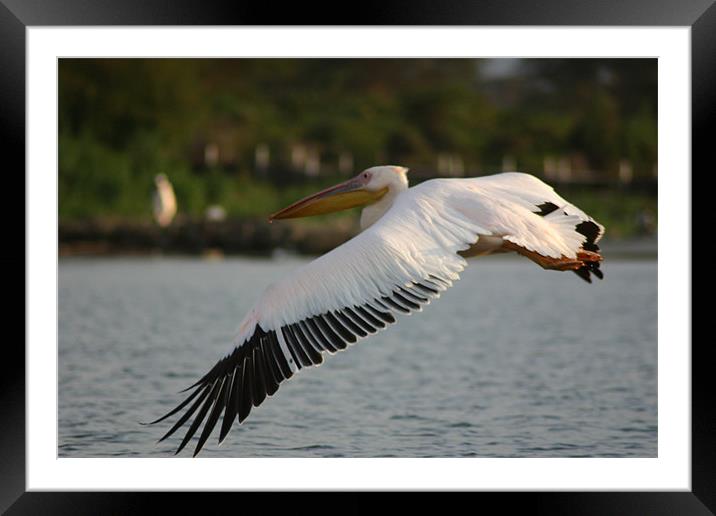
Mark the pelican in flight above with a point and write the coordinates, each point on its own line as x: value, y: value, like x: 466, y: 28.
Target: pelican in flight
x: 164, y: 202
x: 413, y: 245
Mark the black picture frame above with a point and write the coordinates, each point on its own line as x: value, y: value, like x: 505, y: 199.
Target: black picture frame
x: 16, y: 15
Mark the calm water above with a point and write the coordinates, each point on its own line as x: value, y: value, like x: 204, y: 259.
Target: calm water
x: 512, y: 361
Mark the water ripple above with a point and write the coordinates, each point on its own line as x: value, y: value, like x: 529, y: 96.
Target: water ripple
x: 454, y: 381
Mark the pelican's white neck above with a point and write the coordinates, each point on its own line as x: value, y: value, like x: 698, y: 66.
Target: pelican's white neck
x: 373, y: 212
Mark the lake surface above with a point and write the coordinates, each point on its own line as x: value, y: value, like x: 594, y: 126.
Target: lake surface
x: 513, y: 361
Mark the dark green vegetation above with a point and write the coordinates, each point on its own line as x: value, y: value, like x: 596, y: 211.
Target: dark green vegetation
x: 204, y: 122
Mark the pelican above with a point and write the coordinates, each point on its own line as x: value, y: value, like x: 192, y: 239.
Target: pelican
x: 164, y: 202
x: 412, y: 246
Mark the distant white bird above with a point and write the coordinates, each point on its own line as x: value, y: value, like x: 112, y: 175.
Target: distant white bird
x: 164, y: 201
x: 413, y: 246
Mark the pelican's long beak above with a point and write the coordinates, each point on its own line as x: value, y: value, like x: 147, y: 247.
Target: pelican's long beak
x: 343, y: 196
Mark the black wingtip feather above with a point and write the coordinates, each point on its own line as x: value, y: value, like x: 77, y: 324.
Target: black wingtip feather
x: 178, y: 407
x: 344, y: 333
x: 200, y: 416
x: 588, y: 269
x: 219, y: 405
x: 331, y: 335
x: 584, y: 274
x: 245, y: 403
x: 230, y: 413
x: 313, y: 355
x: 259, y: 380
x: 590, y: 230
x: 256, y: 368
x: 228, y: 375
x: 180, y: 422
x: 271, y: 375
x: 389, y: 302
x: 546, y: 208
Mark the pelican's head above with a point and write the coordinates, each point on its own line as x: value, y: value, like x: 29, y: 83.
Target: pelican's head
x: 366, y: 188
x: 160, y: 179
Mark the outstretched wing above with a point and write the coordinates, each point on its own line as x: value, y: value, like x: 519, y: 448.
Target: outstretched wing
x: 561, y: 231
x: 396, y: 266
x: 528, y: 192
x: 402, y: 262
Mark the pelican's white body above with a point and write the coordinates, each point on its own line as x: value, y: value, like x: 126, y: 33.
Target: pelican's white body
x: 413, y: 233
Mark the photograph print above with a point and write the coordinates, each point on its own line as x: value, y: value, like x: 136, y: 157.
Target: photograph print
x: 445, y: 257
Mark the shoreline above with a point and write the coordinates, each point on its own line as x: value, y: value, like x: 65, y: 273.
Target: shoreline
x: 247, y: 237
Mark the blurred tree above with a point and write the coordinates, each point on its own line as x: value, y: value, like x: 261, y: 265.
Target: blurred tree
x: 200, y: 121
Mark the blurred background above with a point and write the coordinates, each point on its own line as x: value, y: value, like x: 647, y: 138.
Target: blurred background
x: 190, y: 155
